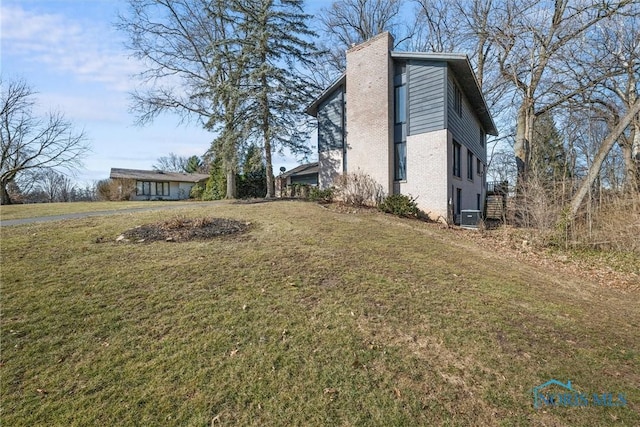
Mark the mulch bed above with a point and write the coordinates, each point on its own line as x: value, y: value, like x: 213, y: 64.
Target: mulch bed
x: 184, y: 229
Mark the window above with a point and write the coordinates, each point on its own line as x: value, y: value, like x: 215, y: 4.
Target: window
x: 456, y: 159
x: 401, y: 104
x: 148, y: 188
x: 481, y: 138
x: 478, y: 201
x: 469, y: 165
x: 400, y: 161
x: 479, y: 167
x: 457, y: 100
x: 458, y: 200
x: 400, y: 122
x: 162, y: 188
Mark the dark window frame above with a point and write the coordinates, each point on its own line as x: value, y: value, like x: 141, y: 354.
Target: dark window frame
x: 457, y: 100
x: 143, y: 188
x: 457, y: 150
x: 469, y: 165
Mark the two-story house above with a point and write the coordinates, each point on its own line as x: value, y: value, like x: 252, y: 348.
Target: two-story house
x: 415, y: 122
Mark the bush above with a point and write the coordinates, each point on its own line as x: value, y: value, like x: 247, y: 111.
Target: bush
x: 358, y: 189
x: 252, y: 184
x: 116, y: 189
x: 321, y: 196
x: 401, y: 205
x: 196, y: 192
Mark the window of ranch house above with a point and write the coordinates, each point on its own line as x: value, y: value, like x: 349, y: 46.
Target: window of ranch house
x: 148, y: 188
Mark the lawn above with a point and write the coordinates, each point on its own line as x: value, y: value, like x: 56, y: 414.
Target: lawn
x: 32, y: 210
x: 312, y: 317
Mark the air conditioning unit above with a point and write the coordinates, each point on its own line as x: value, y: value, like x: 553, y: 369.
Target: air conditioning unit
x: 470, y: 218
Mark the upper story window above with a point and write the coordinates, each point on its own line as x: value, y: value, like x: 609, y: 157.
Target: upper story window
x: 457, y: 99
x: 401, y: 104
x: 482, y: 137
x: 469, y: 165
x: 400, y: 93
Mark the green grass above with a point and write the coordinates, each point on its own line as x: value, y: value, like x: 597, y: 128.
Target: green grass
x: 8, y: 212
x: 312, y: 318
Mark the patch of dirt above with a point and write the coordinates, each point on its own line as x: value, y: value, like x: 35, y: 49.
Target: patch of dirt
x: 183, y: 229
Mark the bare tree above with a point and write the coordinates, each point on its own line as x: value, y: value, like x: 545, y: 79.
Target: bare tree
x: 621, y: 44
x: 349, y: 22
x: 533, y: 37
x: 600, y: 156
x: 30, y: 143
x: 171, y: 163
x: 190, y: 69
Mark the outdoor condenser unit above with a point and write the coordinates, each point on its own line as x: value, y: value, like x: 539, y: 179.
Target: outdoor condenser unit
x: 470, y: 218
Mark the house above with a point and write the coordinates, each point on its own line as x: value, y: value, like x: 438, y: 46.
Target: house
x: 306, y: 174
x: 303, y: 174
x: 415, y: 122
x: 159, y: 185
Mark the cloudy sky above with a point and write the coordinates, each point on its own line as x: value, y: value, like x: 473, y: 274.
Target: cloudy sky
x: 70, y: 53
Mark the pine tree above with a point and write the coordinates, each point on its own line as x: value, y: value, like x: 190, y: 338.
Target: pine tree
x: 548, y: 155
x: 274, y: 44
x: 193, y: 165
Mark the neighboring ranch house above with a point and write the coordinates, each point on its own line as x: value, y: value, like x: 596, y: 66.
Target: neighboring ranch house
x: 303, y: 174
x: 159, y: 185
x: 415, y: 122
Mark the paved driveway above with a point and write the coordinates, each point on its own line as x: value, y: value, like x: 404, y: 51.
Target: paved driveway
x: 21, y: 221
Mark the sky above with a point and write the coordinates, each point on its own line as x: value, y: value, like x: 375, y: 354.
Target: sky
x: 69, y: 52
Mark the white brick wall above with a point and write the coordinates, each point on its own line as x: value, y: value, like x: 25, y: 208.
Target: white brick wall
x: 370, y: 110
x: 427, y: 171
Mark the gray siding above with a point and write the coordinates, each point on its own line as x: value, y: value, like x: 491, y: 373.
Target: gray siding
x: 465, y: 129
x: 331, y: 122
x: 426, y: 95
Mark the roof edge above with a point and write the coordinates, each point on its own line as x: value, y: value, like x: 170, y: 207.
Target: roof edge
x: 312, y: 109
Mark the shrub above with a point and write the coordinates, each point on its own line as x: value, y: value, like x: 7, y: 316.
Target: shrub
x: 400, y: 204
x: 358, y: 189
x: 196, y: 191
x: 116, y: 189
x: 321, y: 196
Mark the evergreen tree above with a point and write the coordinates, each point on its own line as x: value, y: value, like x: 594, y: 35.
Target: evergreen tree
x: 253, y: 181
x: 193, y: 165
x: 548, y: 155
x: 274, y: 43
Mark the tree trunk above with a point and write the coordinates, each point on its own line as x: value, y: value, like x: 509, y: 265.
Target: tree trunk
x: 632, y: 158
x: 524, y: 135
x: 231, y: 184
x: 601, y: 155
x: 266, y: 131
x: 4, y: 194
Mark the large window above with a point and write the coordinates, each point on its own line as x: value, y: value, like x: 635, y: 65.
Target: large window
x: 469, y: 165
x: 149, y: 188
x: 400, y: 122
x: 456, y: 159
x: 400, y: 161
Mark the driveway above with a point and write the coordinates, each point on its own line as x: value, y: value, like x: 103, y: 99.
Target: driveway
x: 21, y: 221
